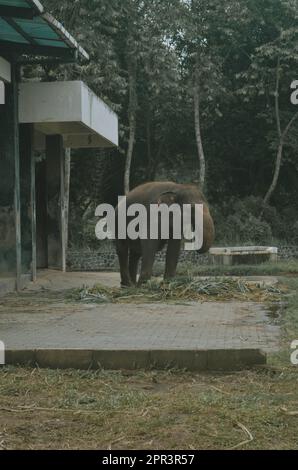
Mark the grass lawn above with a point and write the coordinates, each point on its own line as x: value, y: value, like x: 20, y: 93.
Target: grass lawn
x: 256, y: 409
x: 282, y: 268
x: 154, y: 410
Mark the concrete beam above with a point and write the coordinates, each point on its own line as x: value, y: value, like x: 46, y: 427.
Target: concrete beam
x: 84, y: 139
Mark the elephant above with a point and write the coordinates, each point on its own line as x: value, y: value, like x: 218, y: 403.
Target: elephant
x: 131, y: 251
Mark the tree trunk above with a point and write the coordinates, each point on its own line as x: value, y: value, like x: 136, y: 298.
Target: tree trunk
x: 196, y: 96
x: 276, y: 174
x: 149, y: 149
x: 132, y: 127
x: 279, y: 132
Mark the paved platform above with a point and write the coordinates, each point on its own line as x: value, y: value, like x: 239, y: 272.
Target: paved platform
x: 39, y: 326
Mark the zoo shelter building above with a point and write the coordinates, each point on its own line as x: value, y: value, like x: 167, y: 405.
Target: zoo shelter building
x: 45, y: 119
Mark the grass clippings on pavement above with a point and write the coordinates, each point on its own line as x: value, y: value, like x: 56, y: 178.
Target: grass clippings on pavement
x: 182, y: 290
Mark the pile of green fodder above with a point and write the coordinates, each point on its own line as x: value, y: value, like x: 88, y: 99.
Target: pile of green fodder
x: 182, y: 290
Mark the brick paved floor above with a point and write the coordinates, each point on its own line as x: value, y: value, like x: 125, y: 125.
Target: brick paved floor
x: 31, y: 321
x: 39, y: 327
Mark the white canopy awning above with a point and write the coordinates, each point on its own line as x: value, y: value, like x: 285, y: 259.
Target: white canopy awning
x: 70, y: 109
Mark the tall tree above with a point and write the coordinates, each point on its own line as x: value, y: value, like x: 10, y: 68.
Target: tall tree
x: 202, y: 41
x: 269, y: 76
x: 132, y: 119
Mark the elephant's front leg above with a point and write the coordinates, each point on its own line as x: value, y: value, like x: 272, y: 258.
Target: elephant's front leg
x: 122, y: 252
x: 173, y: 252
x: 149, y: 249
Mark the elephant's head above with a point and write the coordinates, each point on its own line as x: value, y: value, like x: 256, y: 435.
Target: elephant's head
x: 192, y: 196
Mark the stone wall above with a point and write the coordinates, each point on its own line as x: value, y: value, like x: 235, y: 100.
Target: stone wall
x: 92, y: 260
x: 106, y: 259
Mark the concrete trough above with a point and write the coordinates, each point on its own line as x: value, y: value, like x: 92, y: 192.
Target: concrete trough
x: 243, y: 255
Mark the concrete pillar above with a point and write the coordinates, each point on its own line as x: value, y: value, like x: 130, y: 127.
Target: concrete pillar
x: 41, y: 215
x: 10, y: 211
x: 27, y: 182
x: 56, y: 202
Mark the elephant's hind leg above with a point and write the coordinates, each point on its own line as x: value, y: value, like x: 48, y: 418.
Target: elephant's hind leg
x: 149, y: 249
x: 134, y: 259
x: 172, y: 257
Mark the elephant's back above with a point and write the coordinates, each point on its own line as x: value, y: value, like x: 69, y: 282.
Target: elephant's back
x: 149, y: 192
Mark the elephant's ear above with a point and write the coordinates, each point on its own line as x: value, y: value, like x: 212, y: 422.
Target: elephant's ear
x: 169, y: 198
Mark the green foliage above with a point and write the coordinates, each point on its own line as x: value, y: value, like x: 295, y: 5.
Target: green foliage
x: 236, y: 45
x: 239, y: 222
x: 248, y: 229
x: 293, y: 230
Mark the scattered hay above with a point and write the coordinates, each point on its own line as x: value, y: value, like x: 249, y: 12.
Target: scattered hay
x: 247, y: 441
x: 72, y: 409
x: 182, y: 290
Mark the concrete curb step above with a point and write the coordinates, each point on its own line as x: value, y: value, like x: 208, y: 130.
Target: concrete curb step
x: 192, y: 360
